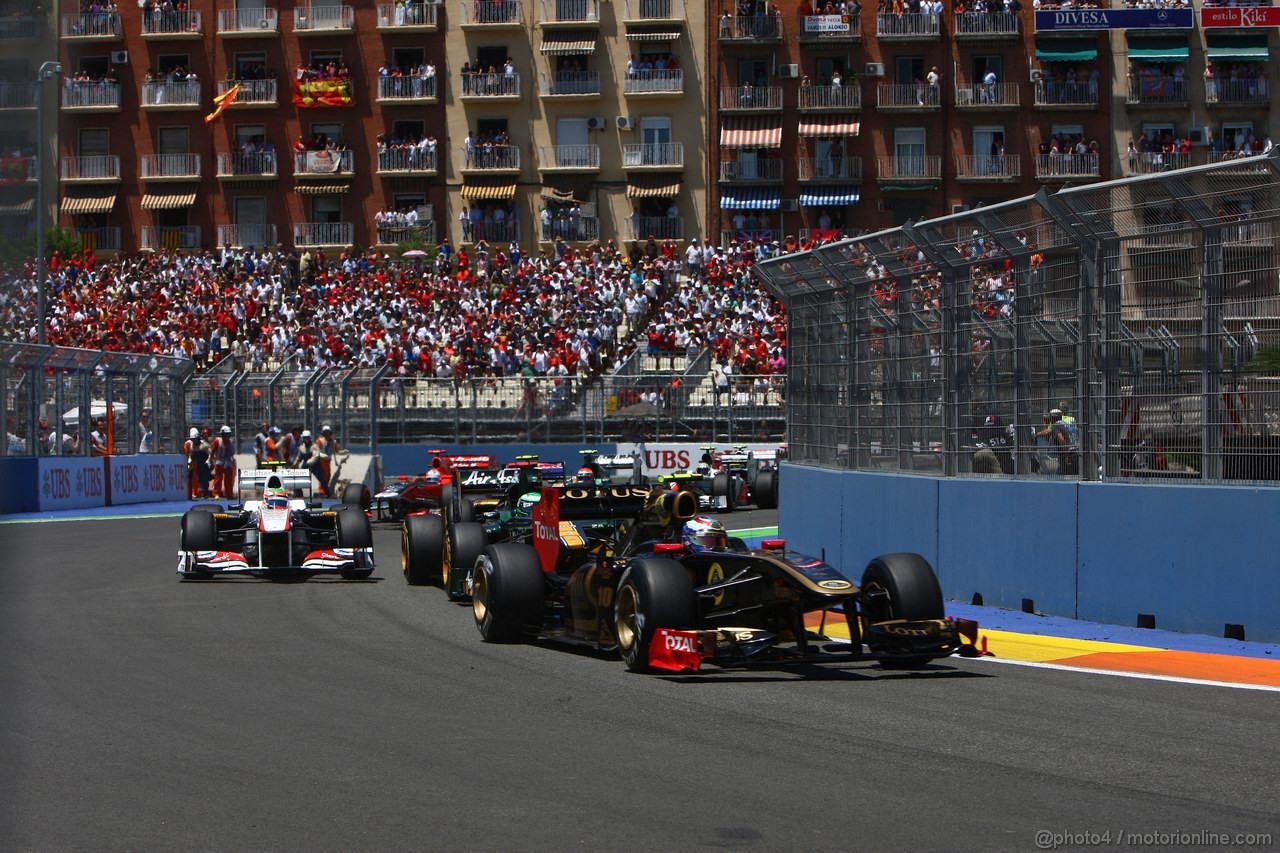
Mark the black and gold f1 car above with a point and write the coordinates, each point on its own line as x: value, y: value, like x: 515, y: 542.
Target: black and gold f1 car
x: 660, y: 606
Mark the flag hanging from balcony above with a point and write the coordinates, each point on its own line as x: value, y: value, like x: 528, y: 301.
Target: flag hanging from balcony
x: 221, y: 102
x: 322, y: 93
x: 15, y: 170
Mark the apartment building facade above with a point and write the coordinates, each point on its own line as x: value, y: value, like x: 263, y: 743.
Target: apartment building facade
x: 27, y: 41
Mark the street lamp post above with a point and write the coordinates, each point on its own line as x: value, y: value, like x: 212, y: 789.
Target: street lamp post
x: 48, y: 71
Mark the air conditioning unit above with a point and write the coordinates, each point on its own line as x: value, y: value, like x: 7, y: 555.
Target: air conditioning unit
x: 1036, y: 75
x: 626, y: 123
x: 873, y: 69
x: 789, y: 72
x: 789, y: 205
x: 597, y: 123
x: 959, y: 208
x: 1200, y: 136
x: 119, y: 57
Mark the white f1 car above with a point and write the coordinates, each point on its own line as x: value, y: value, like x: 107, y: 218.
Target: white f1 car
x: 278, y: 531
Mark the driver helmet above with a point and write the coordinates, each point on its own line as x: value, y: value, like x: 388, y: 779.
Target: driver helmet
x: 703, y: 467
x: 433, y: 475
x: 275, y: 499
x: 525, y: 504
x: 585, y: 476
x: 703, y: 534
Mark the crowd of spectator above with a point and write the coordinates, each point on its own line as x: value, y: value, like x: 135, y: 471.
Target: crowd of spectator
x: 166, y: 16
x: 409, y: 13
x: 909, y: 7
x: 1159, y: 4
x: 489, y: 151
x: 495, y: 220
x: 333, y: 69
x: 986, y: 7
x: 481, y: 79
x: 409, y: 152
x: 1236, y: 81
x: 1067, y: 5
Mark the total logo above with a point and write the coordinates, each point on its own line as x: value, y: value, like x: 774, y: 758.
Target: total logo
x: 679, y: 643
x: 545, y: 532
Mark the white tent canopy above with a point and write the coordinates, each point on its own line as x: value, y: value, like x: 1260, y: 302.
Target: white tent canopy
x: 97, y: 409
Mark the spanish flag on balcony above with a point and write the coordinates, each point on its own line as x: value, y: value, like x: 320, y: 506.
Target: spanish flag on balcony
x: 221, y: 102
x: 322, y: 93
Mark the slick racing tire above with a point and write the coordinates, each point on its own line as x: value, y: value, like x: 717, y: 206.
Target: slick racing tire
x: 653, y: 594
x: 422, y: 549
x: 765, y: 490
x: 354, y: 531
x: 508, y: 592
x: 900, y: 586
x: 356, y: 494
x: 199, y: 531
x: 465, y: 542
x: 724, y: 485
x: 466, y: 510
x: 208, y: 508
x: 446, y: 500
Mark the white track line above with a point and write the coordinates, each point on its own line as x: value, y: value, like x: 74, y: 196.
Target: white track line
x: 1142, y: 676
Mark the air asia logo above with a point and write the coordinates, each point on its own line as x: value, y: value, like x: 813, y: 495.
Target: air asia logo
x: 678, y: 643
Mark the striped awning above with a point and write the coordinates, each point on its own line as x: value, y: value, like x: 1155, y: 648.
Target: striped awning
x: 75, y: 205
x: 751, y: 198
x: 834, y: 196
x: 751, y: 132
x: 837, y: 125
x: 322, y: 189
x: 168, y: 201
x: 664, y: 35
x: 488, y: 192
x: 567, y: 44
x: 653, y: 186
x: 21, y: 208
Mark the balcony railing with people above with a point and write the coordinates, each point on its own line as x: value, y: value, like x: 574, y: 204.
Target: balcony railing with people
x: 569, y: 12
x: 408, y: 159
x: 94, y: 95
x: 311, y: 164
x: 394, y: 233
x: 828, y: 28
x: 829, y: 168
x: 1148, y: 162
x: 323, y: 19
x: 763, y: 27
x: 831, y: 97
x: 260, y: 93
x: 669, y: 81
x: 245, y: 236
x: 21, y: 28
x: 169, y: 167
x: 751, y: 170
x: 660, y: 154
x: 157, y: 237
x: 1157, y: 89
x: 408, y: 16
x: 1051, y: 166
x: 647, y: 11
x: 249, y: 22
x: 745, y: 98
x: 18, y: 96
x: 96, y: 168
x: 409, y: 88
x: 255, y: 165
x: 986, y: 25
x: 491, y: 158
x: 495, y: 85
x: 908, y: 96
x: 571, y: 229
x: 491, y: 12
x: 585, y: 157
x: 989, y: 167
x: 565, y: 83
x: 987, y: 95
x: 306, y: 234
x: 178, y: 94
x: 492, y: 230
x: 909, y: 168
x: 907, y: 25
x: 171, y: 23
x: 1254, y: 90
x: 659, y: 227
x: 91, y: 25
x: 1064, y: 93
x: 105, y: 239
x: 19, y: 169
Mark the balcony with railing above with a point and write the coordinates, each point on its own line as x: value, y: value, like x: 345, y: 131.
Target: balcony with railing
x: 1149, y: 162
x: 571, y: 229
x: 161, y: 25
x: 98, y: 169
x: 319, y: 165
x: 1061, y: 167
x: 986, y: 26
x: 171, y: 95
x: 829, y: 168
x: 258, y: 94
x: 19, y: 169
x: 1227, y: 91
x: 908, y: 97
x: 420, y: 233
x: 1248, y: 163
x: 829, y: 28
x: 309, y: 234
x: 988, y: 167
x: 569, y: 158
x: 665, y: 82
x: 653, y: 12
x: 988, y: 96
x: 837, y: 98
x: 239, y: 166
x: 19, y: 96
x: 248, y: 23
x: 568, y: 13
x: 753, y: 29
x: 750, y: 170
x: 492, y: 14
x: 170, y: 167
x: 494, y: 230
x: 106, y: 239
x: 908, y: 26
x: 750, y: 99
x: 91, y: 26
x: 408, y: 161
x: 21, y: 28
x: 409, y: 17
x: 569, y: 84
x: 491, y: 87
x: 407, y: 90
x: 491, y: 158
x: 658, y: 227
x: 649, y: 155
x: 1157, y: 90
x: 908, y: 169
x: 157, y: 237
x: 247, y: 236
x: 313, y: 20
x: 90, y: 96
x: 1065, y: 94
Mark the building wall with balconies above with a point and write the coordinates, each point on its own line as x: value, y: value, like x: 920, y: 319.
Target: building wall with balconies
x: 28, y: 37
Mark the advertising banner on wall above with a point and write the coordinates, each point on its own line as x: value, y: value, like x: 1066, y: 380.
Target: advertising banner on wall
x: 827, y: 24
x: 1241, y: 16
x: 669, y: 458
x: 72, y: 483
x: 1065, y: 20
x: 147, y: 478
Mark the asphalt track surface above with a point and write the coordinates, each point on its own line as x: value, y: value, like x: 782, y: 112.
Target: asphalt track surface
x: 138, y: 712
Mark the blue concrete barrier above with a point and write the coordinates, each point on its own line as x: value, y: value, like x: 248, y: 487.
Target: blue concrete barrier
x: 19, y: 486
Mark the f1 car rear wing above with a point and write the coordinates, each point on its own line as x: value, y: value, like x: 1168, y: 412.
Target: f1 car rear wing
x: 252, y: 482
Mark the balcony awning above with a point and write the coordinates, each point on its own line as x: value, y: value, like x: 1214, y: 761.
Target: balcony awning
x: 1234, y: 48
x: 907, y: 188
x: 751, y: 132
x: 1066, y: 50
x: 566, y: 190
x: 662, y: 35
x: 653, y: 186
x: 76, y: 205
x: 567, y: 44
x: 21, y: 208
x: 834, y: 196
x: 1159, y: 48
x: 837, y: 125
x: 168, y: 201
x: 322, y: 189
x: 488, y: 192
x: 751, y: 198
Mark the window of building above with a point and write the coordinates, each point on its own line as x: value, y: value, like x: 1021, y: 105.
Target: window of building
x: 908, y: 142
x: 250, y: 66
x: 988, y: 141
x: 1068, y: 131
x: 411, y: 201
x: 908, y: 69
x: 407, y: 129
x: 252, y: 134
x: 251, y: 211
x: 171, y: 220
x: 93, y: 142
x: 980, y: 64
x: 167, y: 62
x: 489, y: 128
x: 1158, y: 130
x: 95, y: 66
x: 905, y: 209
x: 326, y: 131
x: 1234, y: 133
x: 173, y: 140
x: 405, y: 58
x: 825, y: 66
x: 571, y: 131
x: 655, y: 130
x: 753, y: 71
x: 321, y: 58
x: 326, y: 209
x: 492, y: 57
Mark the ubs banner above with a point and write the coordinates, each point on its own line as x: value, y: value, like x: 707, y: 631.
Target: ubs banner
x: 78, y: 482
x: 669, y: 458
x: 72, y: 483
x: 1070, y: 20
